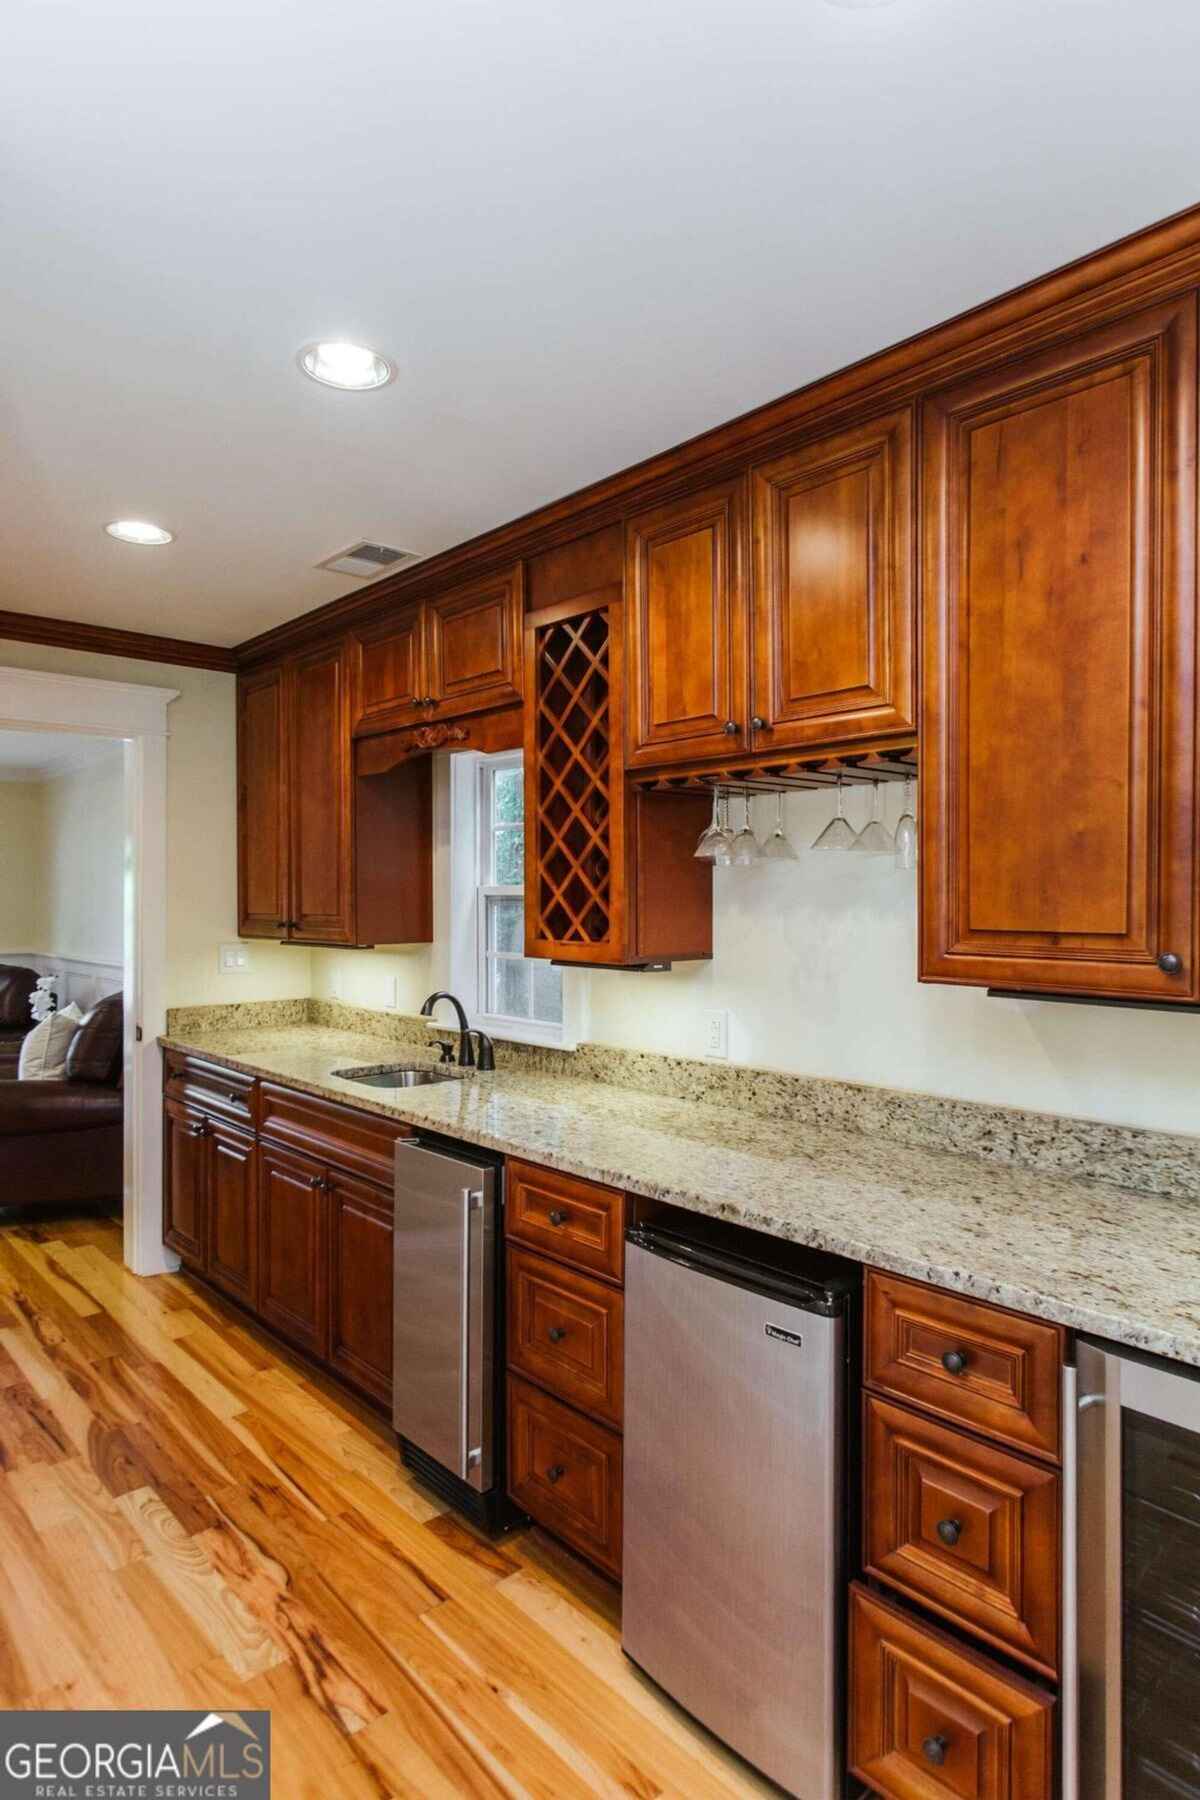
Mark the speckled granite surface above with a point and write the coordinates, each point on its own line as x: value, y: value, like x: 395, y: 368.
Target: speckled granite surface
x: 1153, y: 1162
x: 1089, y: 1254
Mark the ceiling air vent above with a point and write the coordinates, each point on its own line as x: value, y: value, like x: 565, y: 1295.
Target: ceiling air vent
x: 367, y: 560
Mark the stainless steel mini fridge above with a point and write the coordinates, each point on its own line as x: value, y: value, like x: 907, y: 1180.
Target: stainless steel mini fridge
x: 735, y: 1491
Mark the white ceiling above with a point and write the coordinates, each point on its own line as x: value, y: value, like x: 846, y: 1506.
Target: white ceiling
x: 39, y: 755
x: 584, y: 231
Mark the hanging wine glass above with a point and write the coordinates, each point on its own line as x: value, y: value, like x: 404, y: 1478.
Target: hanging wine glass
x: 714, y: 834
x: 778, y: 847
x: 906, y: 832
x: 875, y: 839
x: 839, y: 834
x: 745, y: 847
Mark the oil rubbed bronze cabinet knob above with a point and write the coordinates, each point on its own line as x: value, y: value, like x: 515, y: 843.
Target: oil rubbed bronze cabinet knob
x: 954, y: 1361
x: 556, y: 1473
x: 934, y: 1749
x: 759, y: 724
x: 1169, y: 963
x: 558, y: 1217
x: 949, y: 1530
x: 730, y: 728
x: 557, y: 1333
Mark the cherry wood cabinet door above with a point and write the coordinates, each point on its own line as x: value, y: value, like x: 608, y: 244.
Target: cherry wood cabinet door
x: 360, y: 1284
x: 232, y: 1212
x: 321, y: 848
x: 388, y: 670
x: 263, y: 844
x: 1058, y: 786
x: 964, y: 1528
x: 473, y: 639
x: 185, y: 1183
x: 931, y: 1721
x: 833, y: 624
x: 686, y: 627
x: 293, y: 1247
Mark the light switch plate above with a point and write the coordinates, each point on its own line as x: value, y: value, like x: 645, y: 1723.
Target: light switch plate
x: 716, y: 1034
x: 233, y: 959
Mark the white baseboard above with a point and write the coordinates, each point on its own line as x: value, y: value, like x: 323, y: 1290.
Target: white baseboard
x: 79, y: 980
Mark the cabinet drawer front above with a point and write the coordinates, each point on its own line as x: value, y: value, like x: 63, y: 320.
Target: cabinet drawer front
x: 362, y: 1143
x: 226, y: 1093
x: 566, y: 1472
x: 567, y: 1331
x: 995, y: 1371
x: 929, y: 1721
x: 578, y: 1221
x: 969, y: 1530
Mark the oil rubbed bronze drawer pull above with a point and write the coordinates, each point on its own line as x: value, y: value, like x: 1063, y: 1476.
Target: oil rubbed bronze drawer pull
x: 954, y: 1361
x: 934, y: 1749
x: 556, y: 1473
x: 557, y: 1333
x: 558, y: 1217
x: 949, y: 1530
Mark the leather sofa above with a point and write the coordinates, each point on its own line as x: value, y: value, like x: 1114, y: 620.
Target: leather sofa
x: 16, y: 1020
x: 63, y: 1141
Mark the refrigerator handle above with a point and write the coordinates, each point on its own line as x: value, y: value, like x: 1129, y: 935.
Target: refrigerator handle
x: 464, y: 1327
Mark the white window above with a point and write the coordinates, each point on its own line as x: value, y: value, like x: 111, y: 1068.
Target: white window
x: 505, y: 992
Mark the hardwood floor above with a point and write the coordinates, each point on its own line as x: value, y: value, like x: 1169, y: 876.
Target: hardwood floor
x: 190, y: 1519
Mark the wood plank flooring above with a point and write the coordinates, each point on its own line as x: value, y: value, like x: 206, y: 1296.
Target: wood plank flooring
x: 190, y: 1519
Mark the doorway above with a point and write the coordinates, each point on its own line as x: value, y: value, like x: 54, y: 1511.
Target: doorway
x: 136, y: 716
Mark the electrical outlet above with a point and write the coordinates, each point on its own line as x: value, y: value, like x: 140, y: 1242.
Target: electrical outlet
x: 391, y: 992
x: 716, y: 1034
x: 335, y: 987
x: 233, y: 959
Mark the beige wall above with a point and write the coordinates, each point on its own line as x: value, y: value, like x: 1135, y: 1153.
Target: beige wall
x: 83, y: 862
x: 21, y: 823
x: 815, y: 963
x: 201, y: 827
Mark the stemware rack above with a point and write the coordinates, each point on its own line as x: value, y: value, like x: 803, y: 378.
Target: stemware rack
x: 787, y: 774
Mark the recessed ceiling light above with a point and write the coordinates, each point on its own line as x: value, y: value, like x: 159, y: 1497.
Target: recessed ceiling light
x: 138, y: 531
x: 346, y: 366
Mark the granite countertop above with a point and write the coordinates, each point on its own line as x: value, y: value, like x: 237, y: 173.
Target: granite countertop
x: 1102, y: 1259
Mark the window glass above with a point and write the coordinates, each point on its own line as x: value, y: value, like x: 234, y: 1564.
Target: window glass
x: 512, y: 986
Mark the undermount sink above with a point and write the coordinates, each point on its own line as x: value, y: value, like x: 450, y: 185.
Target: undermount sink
x: 396, y: 1075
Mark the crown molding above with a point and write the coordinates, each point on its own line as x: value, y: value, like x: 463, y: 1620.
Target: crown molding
x: 105, y: 640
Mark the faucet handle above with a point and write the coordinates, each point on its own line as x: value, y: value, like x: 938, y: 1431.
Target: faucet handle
x: 446, y: 1049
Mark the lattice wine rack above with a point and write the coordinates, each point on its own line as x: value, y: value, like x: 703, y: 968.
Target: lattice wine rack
x: 576, y: 802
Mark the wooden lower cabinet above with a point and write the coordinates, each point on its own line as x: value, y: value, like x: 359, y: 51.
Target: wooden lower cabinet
x: 567, y: 1331
x: 185, y: 1195
x: 964, y: 1528
x: 565, y: 1470
x: 294, y: 1248
x: 932, y: 1721
x: 233, y: 1212
x: 360, y: 1284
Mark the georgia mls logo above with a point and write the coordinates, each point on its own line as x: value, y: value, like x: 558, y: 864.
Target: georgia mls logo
x: 135, y: 1756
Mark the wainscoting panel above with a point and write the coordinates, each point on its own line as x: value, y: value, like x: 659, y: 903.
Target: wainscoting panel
x: 78, y: 980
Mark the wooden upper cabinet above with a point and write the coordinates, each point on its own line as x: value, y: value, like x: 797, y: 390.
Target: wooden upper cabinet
x: 263, y: 838
x: 320, y: 785
x: 1058, y: 783
x: 833, y: 588
x: 473, y: 638
x: 388, y: 670
x: 685, y: 597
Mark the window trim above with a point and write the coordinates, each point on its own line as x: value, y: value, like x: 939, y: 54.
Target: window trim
x: 470, y: 858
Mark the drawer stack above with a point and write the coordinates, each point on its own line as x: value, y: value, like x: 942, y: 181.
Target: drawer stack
x: 962, y: 1519
x: 565, y: 1356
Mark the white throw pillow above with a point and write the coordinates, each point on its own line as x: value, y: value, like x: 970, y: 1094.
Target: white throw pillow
x: 44, y: 1049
